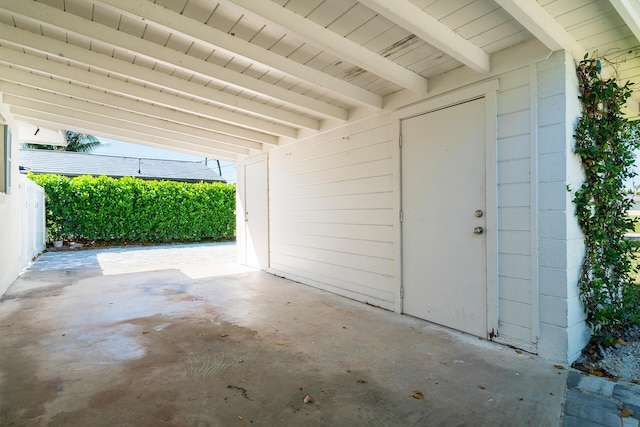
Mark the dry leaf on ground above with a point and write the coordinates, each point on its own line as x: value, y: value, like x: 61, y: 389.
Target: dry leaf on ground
x: 242, y: 390
x: 625, y: 412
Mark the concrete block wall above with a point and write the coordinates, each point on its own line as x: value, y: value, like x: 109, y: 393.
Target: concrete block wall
x: 563, y: 332
x: 577, y: 330
x: 516, y: 319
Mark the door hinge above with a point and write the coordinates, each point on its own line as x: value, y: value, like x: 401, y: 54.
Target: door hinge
x: 400, y: 140
x: 401, y: 292
x: 401, y: 216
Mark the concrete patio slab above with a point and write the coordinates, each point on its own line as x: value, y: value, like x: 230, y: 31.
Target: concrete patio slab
x: 105, y: 342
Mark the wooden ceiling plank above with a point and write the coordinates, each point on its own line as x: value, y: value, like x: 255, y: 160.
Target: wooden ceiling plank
x: 432, y: 31
x: 91, y: 59
x: 629, y: 10
x: 143, y: 48
x: 113, y: 132
x: 63, y: 100
x: 333, y: 43
x: 236, y: 46
x: 173, y: 115
x: 352, y: 19
x: 325, y: 14
x: 543, y: 26
x: 148, y: 94
x: 105, y: 119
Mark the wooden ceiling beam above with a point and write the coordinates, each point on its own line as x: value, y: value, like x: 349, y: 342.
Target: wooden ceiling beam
x: 543, y: 26
x: 629, y: 10
x: 204, y: 34
x: 26, y: 81
x: 133, y: 91
x: 91, y: 30
x: 331, y: 42
x: 52, y: 120
x: 107, y: 117
x: 416, y: 21
x: 17, y: 92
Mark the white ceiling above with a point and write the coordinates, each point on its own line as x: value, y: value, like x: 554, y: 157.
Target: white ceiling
x: 232, y: 77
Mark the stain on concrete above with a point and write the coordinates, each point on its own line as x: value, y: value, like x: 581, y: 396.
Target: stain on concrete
x: 161, y: 349
x: 44, y: 291
x: 203, y: 365
x: 18, y: 379
x: 15, y: 383
x: 106, y: 397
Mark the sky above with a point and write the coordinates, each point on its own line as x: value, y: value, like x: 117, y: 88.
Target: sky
x: 120, y: 148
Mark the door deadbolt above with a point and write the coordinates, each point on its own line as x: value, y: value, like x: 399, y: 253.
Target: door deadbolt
x: 478, y: 230
x: 479, y: 213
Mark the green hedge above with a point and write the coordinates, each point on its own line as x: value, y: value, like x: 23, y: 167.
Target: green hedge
x: 103, y: 208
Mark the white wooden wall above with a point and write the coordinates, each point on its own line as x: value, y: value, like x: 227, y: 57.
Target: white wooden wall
x: 334, y: 199
x: 333, y: 220
x: 32, y: 225
x: 331, y: 207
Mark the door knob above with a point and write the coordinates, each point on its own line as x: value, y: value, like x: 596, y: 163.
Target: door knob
x: 478, y: 230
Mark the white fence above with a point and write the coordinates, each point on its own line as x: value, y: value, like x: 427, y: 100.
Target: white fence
x: 32, y: 220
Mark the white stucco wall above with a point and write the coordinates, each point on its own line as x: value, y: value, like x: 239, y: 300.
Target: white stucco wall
x: 9, y: 221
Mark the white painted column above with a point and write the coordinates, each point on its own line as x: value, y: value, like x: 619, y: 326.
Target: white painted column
x: 563, y: 332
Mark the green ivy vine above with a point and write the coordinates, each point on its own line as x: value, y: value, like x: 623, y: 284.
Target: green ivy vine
x: 604, y: 143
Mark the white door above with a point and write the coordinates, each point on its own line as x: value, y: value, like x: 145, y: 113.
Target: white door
x: 444, y: 261
x: 256, y: 214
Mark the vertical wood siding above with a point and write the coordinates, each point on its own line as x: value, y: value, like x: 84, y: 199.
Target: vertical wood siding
x: 331, y: 212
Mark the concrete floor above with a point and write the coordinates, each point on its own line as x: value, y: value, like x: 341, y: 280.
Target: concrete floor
x: 94, y: 338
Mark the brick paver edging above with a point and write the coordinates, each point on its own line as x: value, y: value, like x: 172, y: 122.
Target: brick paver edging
x: 595, y: 401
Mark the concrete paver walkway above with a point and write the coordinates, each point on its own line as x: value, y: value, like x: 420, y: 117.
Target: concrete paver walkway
x: 594, y: 402
x: 149, y: 337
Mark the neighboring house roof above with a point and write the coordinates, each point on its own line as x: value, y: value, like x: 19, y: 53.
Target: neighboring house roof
x: 75, y: 164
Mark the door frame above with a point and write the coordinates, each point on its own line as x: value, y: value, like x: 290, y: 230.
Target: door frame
x: 241, y: 224
x: 489, y: 91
